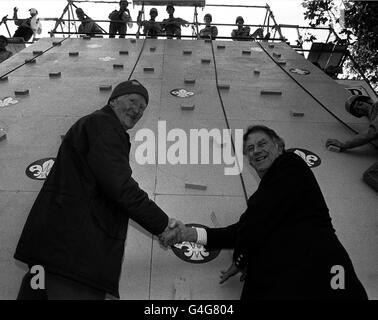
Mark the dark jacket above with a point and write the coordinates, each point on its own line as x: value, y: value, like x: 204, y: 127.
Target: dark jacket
x: 78, y: 223
x: 287, y: 240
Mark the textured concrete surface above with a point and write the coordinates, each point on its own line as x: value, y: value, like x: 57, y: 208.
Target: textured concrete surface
x: 35, y: 123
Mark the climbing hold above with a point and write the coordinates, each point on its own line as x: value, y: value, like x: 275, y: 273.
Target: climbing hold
x: 3, y: 134
x: 271, y: 92
x: 105, y: 87
x: 256, y: 72
x: 271, y: 46
x: 132, y: 40
x: 296, y: 113
x: 195, y: 186
x: 55, y: 74
x: 246, y: 52
x: 117, y: 66
x: 224, y: 86
x: 124, y: 52
x: 21, y: 92
x: 205, y: 61
x: 73, y: 53
x: 86, y: 37
x: 187, y: 52
x: 29, y: 61
x: 277, y: 55
x: 37, y: 52
x: 221, y: 47
x: 333, y: 148
x: 152, y: 49
x: 187, y: 107
x: 148, y: 69
x: 189, y: 81
x: 56, y: 43
x: 282, y: 63
x: 207, y: 40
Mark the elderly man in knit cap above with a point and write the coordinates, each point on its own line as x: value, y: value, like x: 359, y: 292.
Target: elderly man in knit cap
x: 77, y: 227
x: 362, y: 106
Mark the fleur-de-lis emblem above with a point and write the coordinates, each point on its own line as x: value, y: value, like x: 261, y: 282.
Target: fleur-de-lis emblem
x: 194, y: 251
x: 39, y: 170
x: 7, y: 101
x: 106, y: 59
x: 181, y: 93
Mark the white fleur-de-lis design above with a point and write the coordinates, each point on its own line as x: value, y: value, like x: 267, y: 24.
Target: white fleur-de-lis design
x: 182, y: 93
x: 106, y: 59
x: 41, y: 172
x: 7, y: 101
x: 194, y: 251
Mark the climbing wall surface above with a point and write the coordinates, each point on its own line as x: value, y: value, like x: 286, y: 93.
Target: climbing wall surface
x: 72, y: 78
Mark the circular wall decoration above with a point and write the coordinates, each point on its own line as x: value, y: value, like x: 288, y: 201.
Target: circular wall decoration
x: 7, y: 101
x: 181, y: 93
x: 309, y: 157
x: 300, y: 71
x: 40, y: 169
x: 192, y: 252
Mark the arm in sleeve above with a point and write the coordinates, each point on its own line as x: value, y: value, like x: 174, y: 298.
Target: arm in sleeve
x: 280, y: 193
x: 363, y: 138
x: 108, y: 159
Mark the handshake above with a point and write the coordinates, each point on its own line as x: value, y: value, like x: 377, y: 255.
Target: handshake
x: 177, y: 232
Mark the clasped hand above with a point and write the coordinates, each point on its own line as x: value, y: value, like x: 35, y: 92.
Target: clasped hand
x: 177, y: 232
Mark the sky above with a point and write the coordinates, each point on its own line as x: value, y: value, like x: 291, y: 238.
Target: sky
x: 285, y: 12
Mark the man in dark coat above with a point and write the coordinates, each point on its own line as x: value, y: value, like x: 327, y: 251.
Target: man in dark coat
x: 77, y: 226
x: 284, y: 242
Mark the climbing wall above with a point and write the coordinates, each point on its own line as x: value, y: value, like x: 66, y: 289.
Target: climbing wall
x: 46, y: 87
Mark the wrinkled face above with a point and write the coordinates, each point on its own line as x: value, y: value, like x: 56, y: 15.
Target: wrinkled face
x: 123, y: 5
x: 129, y: 109
x: 362, y: 108
x: 261, y: 151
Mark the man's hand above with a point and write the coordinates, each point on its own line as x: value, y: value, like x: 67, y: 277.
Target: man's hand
x: 177, y: 232
x: 231, y: 271
x: 171, y: 234
x: 336, y: 143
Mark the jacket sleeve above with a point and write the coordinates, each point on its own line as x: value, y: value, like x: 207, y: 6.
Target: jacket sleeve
x: 277, y: 197
x: 108, y: 158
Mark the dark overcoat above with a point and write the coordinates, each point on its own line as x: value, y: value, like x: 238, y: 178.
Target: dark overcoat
x: 77, y: 226
x: 287, y: 240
